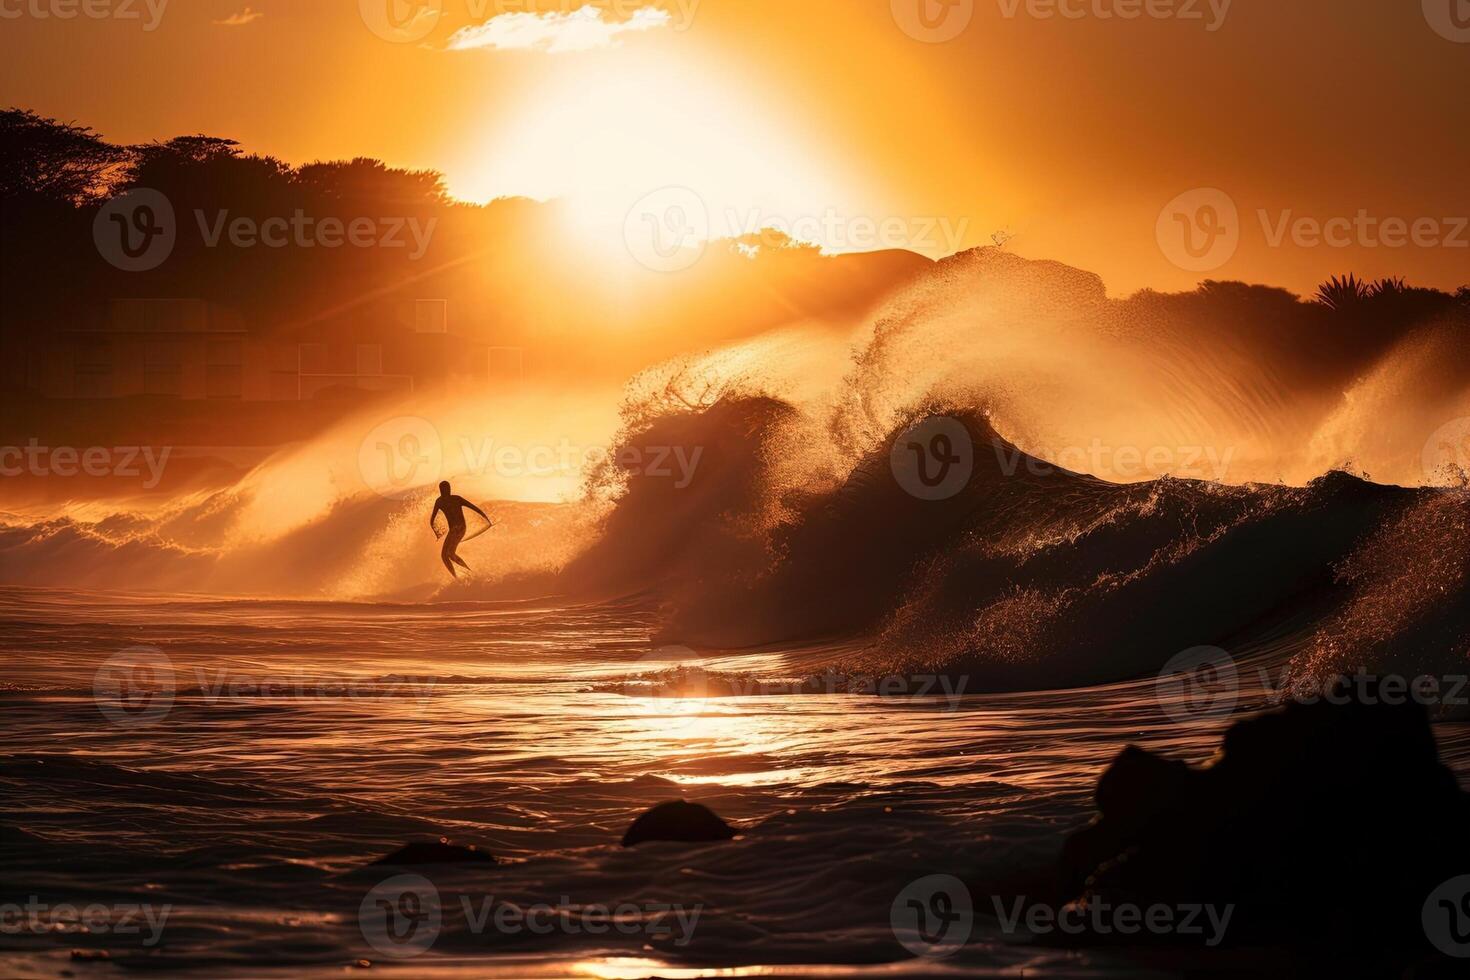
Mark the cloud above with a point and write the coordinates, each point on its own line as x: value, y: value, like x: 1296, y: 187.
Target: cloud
x: 241, y: 19
x: 555, y: 33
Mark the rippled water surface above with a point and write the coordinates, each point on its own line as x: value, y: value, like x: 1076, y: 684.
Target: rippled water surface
x: 273, y: 750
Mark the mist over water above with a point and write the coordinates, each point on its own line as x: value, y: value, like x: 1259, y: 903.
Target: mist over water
x: 751, y: 484
x: 1122, y: 482
x: 551, y: 490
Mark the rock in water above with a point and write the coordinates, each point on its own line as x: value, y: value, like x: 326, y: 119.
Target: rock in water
x: 435, y: 852
x: 678, y: 820
x: 1325, y: 823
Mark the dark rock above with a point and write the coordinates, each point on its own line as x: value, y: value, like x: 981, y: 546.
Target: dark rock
x: 678, y: 820
x: 435, y: 852
x: 1330, y: 821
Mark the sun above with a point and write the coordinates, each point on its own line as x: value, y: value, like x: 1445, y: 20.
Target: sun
x: 602, y: 140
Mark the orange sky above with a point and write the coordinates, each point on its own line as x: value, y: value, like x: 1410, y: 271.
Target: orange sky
x: 1063, y: 122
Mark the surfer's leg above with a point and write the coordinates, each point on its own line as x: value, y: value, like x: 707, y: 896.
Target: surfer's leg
x: 460, y: 562
x: 447, y: 555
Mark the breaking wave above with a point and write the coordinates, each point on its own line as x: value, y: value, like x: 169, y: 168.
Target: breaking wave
x: 1144, y: 475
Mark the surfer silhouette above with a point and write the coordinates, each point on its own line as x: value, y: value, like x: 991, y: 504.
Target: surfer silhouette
x: 452, y: 507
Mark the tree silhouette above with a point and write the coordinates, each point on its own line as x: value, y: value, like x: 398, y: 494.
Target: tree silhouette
x: 206, y: 170
x: 1392, y: 286
x: 53, y: 161
x: 1342, y: 294
x: 364, y: 180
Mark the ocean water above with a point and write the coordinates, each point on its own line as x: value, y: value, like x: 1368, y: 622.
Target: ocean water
x: 231, y: 768
x: 226, y: 696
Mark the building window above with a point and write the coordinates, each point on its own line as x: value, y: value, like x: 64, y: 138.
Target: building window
x: 284, y: 358
x: 224, y: 352
x: 369, y: 359
x: 158, y: 315
x: 167, y: 381
x: 314, y: 359
x: 223, y: 381
x: 224, y: 374
x: 284, y: 387
x: 431, y: 316
x: 162, y: 354
x: 92, y: 384
x: 94, y: 355
x: 92, y: 369
x: 163, y: 368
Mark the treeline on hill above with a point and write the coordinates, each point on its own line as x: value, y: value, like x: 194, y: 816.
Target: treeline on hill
x: 1333, y: 335
x: 54, y: 177
x: 511, y: 275
x: 506, y: 267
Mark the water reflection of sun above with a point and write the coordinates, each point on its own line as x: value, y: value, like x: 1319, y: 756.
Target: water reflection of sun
x: 724, y: 740
x: 630, y: 968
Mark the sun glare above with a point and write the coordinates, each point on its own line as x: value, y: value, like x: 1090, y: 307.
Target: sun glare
x: 604, y: 142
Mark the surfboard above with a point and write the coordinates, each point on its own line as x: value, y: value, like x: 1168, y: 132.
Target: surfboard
x: 475, y: 525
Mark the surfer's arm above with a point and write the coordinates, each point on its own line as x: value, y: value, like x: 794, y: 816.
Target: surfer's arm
x: 480, y: 512
x: 438, y: 506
